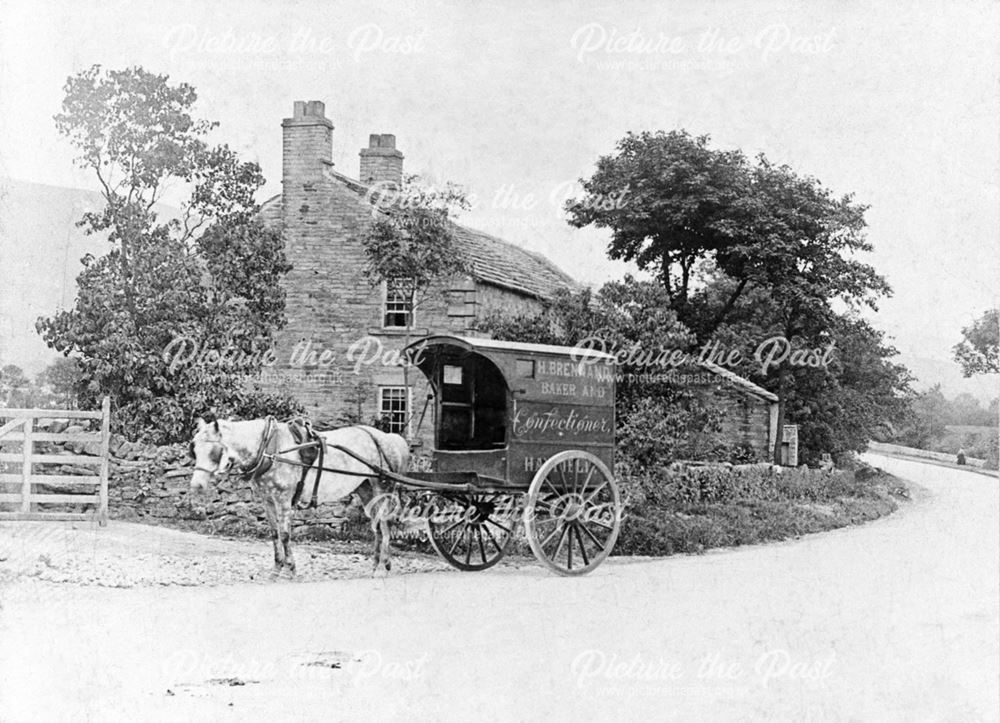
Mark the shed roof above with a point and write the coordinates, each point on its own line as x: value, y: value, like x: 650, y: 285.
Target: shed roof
x: 739, y: 381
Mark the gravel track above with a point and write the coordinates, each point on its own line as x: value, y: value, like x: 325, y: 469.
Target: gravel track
x: 126, y: 555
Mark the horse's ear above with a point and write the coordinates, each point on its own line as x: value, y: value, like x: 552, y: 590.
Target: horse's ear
x: 201, y: 423
x: 215, y: 426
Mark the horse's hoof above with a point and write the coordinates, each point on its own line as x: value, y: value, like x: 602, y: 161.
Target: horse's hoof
x: 380, y: 574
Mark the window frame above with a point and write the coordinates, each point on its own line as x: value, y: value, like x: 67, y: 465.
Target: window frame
x: 411, y: 312
x: 407, y: 405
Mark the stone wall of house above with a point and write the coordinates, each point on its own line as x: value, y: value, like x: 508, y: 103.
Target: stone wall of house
x: 334, y: 353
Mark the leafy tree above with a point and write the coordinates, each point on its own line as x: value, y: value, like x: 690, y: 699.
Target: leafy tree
x: 412, y: 242
x: 14, y: 386
x: 861, y: 393
x: 930, y: 417
x: 755, y: 229
x: 669, y: 201
x: 965, y: 409
x: 675, y: 206
x: 208, y: 279
x: 978, y: 352
x: 60, y: 379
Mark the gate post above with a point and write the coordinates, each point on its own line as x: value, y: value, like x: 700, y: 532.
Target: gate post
x: 102, y: 511
x: 27, y: 448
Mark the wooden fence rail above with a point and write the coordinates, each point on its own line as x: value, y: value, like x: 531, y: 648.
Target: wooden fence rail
x: 20, y: 426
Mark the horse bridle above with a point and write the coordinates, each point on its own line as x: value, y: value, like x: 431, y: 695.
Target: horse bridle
x: 261, y: 463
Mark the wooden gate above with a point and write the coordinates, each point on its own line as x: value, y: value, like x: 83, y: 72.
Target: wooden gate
x: 26, y: 491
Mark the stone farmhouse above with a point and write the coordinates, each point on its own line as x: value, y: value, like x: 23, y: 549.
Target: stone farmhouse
x: 337, y: 350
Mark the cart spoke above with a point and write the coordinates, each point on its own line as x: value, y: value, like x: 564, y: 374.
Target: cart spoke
x: 479, y: 539
x: 468, y: 549
x: 569, y: 547
x: 502, y: 527
x: 587, y: 501
x: 559, y: 527
x: 455, y: 543
x: 452, y: 527
x: 600, y: 545
x: 492, y: 538
x: 583, y: 548
x: 562, y: 538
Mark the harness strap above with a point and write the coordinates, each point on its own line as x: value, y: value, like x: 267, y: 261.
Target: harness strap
x: 302, y: 429
x: 379, y: 470
x: 264, y: 459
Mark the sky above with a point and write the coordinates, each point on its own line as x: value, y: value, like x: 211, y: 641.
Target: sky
x: 895, y: 102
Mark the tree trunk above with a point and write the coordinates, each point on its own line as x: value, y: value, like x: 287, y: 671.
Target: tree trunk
x: 727, y: 307
x: 784, y: 379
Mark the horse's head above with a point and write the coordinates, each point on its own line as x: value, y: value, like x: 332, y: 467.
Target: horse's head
x: 211, y: 454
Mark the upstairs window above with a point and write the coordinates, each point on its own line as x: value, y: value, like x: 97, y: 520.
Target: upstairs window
x: 398, y: 311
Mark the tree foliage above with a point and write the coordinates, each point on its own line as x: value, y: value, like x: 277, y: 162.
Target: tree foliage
x: 412, y: 242
x: 979, y: 350
x: 54, y: 386
x: 210, y: 277
x: 658, y: 420
x: 719, y: 229
x: 677, y: 207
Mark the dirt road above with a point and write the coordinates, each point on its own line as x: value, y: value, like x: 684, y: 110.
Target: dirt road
x: 895, y: 620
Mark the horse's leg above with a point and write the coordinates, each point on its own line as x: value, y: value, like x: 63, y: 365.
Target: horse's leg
x: 286, y: 513
x: 271, y: 512
x: 368, y: 496
x: 382, y: 537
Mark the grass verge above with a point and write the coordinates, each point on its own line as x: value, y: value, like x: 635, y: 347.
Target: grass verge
x: 698, y: 526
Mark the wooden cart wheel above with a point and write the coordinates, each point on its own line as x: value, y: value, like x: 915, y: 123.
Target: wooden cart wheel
x: 573, y: 512
x: 473, y: 533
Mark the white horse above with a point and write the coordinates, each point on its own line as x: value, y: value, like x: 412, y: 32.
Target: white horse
x: 262, y: 451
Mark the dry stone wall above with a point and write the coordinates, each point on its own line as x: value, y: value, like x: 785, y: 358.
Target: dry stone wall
x: 151, y: 484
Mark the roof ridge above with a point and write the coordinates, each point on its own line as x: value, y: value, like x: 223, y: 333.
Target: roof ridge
x: 495, y: 260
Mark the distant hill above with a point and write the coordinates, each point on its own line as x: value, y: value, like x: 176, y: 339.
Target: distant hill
x: 40, y: 252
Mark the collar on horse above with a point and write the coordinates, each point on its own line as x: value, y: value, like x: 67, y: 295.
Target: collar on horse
x: 264, y: 459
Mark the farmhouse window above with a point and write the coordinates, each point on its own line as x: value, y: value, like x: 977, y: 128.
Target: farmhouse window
x: 394, y: 407
x: 398, y: 307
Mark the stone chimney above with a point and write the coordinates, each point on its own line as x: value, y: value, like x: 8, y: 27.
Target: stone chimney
x: 307, y: 145
x: 380, y: 161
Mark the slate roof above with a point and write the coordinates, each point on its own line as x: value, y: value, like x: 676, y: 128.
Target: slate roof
x: 494, y: 261
x: 739, y: 381
x: 501, y: 263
